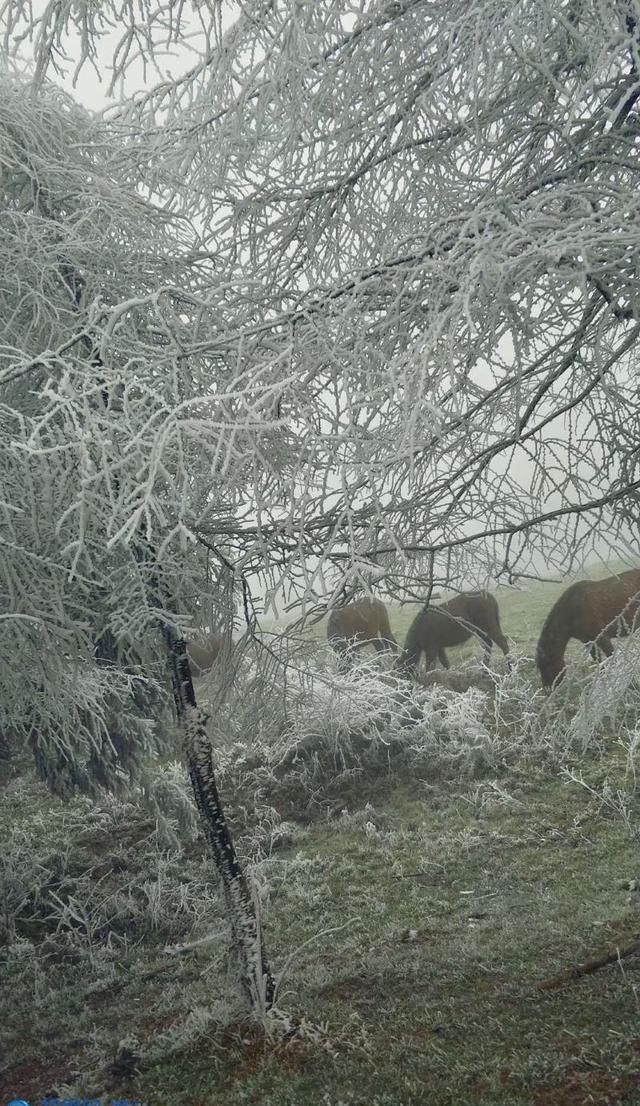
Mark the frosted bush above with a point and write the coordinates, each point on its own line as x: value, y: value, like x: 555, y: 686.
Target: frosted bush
x: 611, y: 697
x: 166, y: 793
x: 591, y: 703
x: 347, y: 731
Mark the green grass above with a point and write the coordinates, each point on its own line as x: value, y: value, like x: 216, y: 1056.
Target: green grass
x: 498, y: 903
x: 504, y: 882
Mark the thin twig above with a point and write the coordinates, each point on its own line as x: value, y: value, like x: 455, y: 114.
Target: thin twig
x: 610, y: 957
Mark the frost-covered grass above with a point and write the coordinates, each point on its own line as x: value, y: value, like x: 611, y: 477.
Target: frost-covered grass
x: 422, y: 857
x: 419, y: 926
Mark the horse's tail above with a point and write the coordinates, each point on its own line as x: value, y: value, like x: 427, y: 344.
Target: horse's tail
x: 553, y: 642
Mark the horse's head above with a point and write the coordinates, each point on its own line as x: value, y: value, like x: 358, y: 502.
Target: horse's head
x: 550, y: 666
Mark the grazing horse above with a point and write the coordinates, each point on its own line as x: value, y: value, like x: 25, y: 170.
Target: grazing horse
x: 435, y: 629
x: 364, y: 622
x: 204, y: 654
x: 592, y: 611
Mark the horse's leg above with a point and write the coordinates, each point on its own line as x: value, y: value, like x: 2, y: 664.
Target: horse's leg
x: 443, y: 658
x: 345, y: 662
x: 487, y: 645
x: 601, y: 645
x: 384, y: 646
x: 407, y: 662
x: 344, y: 659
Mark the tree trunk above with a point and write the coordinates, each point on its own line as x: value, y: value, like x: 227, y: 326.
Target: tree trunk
x: 246, y: 927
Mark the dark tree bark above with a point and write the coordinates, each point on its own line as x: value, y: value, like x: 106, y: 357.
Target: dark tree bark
x: 246, y: 927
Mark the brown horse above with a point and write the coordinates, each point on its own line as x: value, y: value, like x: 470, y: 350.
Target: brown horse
x: 452, y: 623
x: 592, y: 611
x: 364, y: 622
x: 204, y: 654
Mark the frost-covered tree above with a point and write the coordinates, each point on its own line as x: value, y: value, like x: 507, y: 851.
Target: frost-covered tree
x: 422, y: 214
x: 94, y: 565
x: 356, y: 289
x: 411, y: 237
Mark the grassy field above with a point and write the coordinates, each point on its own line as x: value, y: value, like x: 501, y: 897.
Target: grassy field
x: 423, y: 915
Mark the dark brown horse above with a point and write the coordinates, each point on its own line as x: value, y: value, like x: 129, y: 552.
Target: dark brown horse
x: 364, y: 622
x: 435, y: 629
x: 593, y: 611
x: 203, y: 654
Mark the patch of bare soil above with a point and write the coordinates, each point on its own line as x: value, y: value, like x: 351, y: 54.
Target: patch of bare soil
x: 35, y: 1078
x: 255, y: 1052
